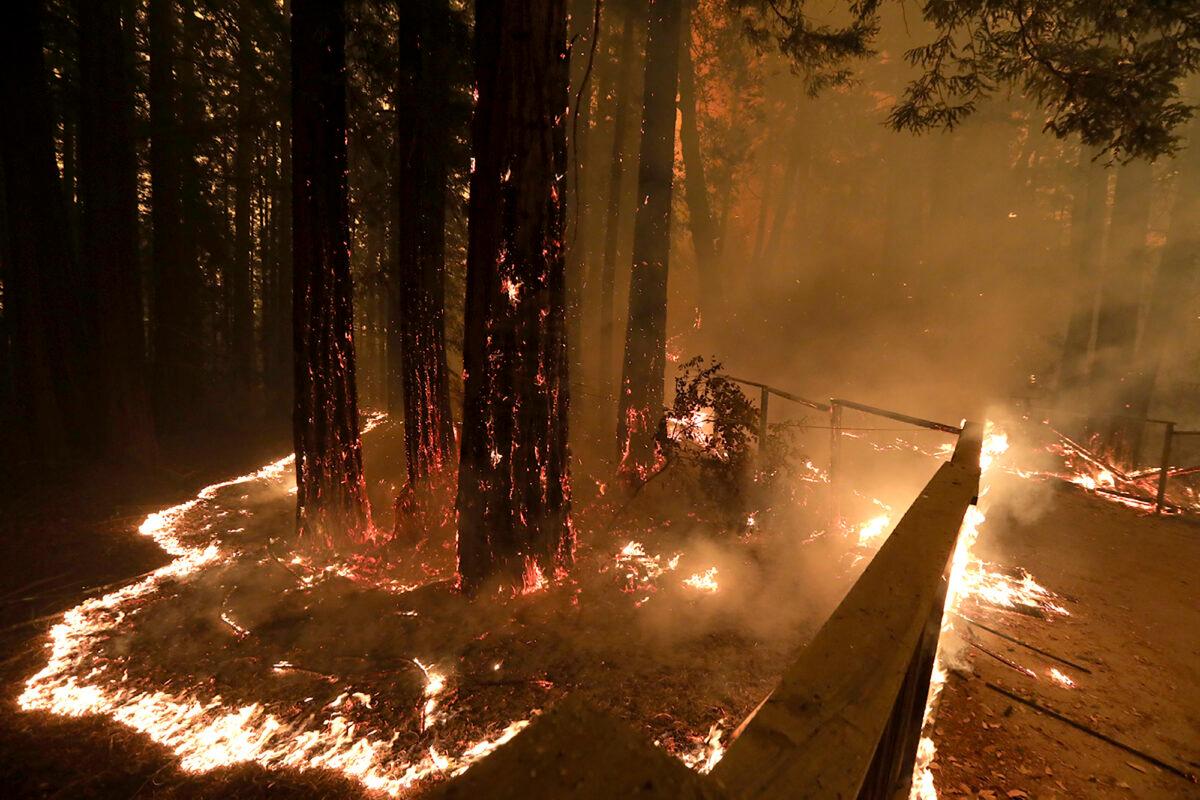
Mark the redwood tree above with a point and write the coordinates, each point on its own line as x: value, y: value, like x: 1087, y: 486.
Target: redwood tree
x: 331, y: 498
x: 514, y: 479
x: 424, y: 141
x: 641, y: 399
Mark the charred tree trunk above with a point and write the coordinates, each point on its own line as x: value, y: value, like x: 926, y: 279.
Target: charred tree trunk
x: 40, y: 291
x: 641, y: 396
x: 423, y: 139
x: 331, y: 496
x: 109, y: 233
x: 514, y: 479
x: 612, y: 216
x: 241, y: 311
x: 704, y: 233
x: 1087, y: 236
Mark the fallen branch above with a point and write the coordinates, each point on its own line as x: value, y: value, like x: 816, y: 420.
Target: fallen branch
x: 1026, y: 671
x: 1090, y: 731
x: 1020, y: 643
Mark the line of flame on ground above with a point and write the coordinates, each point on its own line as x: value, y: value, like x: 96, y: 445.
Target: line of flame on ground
x: 204, y: 732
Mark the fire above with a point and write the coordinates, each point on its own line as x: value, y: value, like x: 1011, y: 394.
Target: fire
x: 698, y: 427
x: 709, y: 752
x: 703, y: 581
x: 873, y: 529
x: 640, y: 569
x: 1061, y: 678
x: 206, y: 732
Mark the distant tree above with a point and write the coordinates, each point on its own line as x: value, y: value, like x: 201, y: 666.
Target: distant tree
x: 1088, y: 216
x: 331, y: 499
x: 42, y: 308
x: 424, y: 139
x: 640, y: 403
x: 242, y: 344
x: 514, y: 474
x: 108, y: 198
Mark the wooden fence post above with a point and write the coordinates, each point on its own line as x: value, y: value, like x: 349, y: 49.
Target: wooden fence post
x: 1168, y: 435
x: 835, y: 447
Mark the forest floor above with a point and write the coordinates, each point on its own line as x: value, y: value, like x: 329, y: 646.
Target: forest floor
x: 1129, y: 583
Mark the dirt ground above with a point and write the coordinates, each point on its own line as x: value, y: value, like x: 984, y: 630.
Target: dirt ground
x: 1132, y: 587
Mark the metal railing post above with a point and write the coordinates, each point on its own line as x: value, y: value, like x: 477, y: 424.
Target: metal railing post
x: 764, y: 398
x: 835, y: 448
x: 1168, y: 435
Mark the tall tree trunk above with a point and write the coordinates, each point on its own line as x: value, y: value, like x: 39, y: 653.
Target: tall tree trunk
x: 331, y: 496
x: 109, y: 232
x: 41, y: 305
x: 277, y: 358
x: 424, y: 140
x: 579, y: 225
x: 1117, y: 322
x: 704, y: 233
x: 514, y: 471
x: 1174, y: 279
x: 1087, y: 237
x: 612, y: 216
x: 241, y: 312
x: 175, y: 272
x: 641, y: 396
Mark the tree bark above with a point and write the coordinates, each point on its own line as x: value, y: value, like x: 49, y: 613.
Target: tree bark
x: 331, y: 498
x: 41, y: 306
x: 704, y: 233
x: 109, y: 233
x: 424, y: 141
x: 641, y: 396
x: 612, y: 217
x: 514, y: 470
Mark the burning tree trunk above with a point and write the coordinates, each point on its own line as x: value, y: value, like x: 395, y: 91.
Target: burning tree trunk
x: 1087, y: 235
x: 331, y: 499
x: 241, y: 312
x: 612, y: 217
x: 40, y: 308
x: 514, y: 479
x: 641, y: 398
x: 704, y: 235
x: 109, y: 235
x: 424, y: 140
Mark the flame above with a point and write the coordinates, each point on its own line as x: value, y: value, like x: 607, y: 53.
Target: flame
x: 873, y: 529
x: 1061, y: 678
x: 207, y: 733
x: 708, y: 753
x: 703, y: 581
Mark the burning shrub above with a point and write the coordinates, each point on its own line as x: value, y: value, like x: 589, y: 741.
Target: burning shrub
x: 712, y: 430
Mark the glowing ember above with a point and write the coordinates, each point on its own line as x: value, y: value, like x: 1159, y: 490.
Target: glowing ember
x: 708, y: 753
x: 641, y: 570
x: 1061, y: 678
x: 871, y: 531
x: 703, y: 581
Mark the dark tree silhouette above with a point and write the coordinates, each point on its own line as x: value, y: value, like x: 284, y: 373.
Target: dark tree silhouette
x: 514, y: 480
x: 331, y: 501
x: 424, y: 140
x: 641, y: 400
x: 109, y: 234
